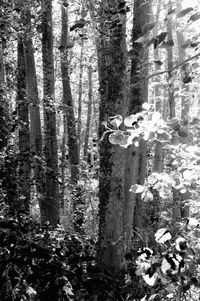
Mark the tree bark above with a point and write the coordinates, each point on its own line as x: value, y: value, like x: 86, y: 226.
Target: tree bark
x: 52, y: 203
x: 78, y: 216
x: 23, y: 201
x: 135, y: 169
x: 112, y: 75
x: 34, y: 109
x: 89, y: 113
x: 80, y: 92
x: 3, y: 103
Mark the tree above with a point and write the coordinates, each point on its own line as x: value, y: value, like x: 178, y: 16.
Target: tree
x: 73, y: 149
x: 89, y: 113
x: 112, y: 76
x: 135, y: 170
x: 34, y: 109
x: 24, y: 135
x: 51, y: 205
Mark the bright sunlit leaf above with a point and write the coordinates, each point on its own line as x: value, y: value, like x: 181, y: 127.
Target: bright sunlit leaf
x: 137, y: 188
x: 116, y: 120
x: 162, y: 235
x: 150, y: 280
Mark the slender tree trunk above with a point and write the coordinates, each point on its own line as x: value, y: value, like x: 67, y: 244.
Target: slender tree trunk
x: 185, y: 87
x: 78, y: 204
x: 171, y: 100
x: 80, y: 92
x: 176, y: 211
x: 89, y: 113
x: 158, y: 152
x: 112, y: 74
x: 23, y: 202
x: 3, y: 103
x: 68, y: 101
x: 135, y: 170
x: 34, y: 109
x: 52, y: 203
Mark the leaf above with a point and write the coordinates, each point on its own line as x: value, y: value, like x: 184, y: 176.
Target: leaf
x: 140, y: 40
x: 118, y: 138
x: 161, y: 37
x: 182, y: 134
x: 158, y: 62
x: 30, y: 291
x: 146, y: 106
x: 195, y: 121
x: 152, y: 178
x: 130, y: 120
x: 148, y: 26
x: 148, y: 196
x: 116, y: 120
x: 172, y: 11
x: 184, y: 12
x: 150, y: 280
x: 163, y: 136
x: 136, y: 188
x: 194, y: 17
x: 167, y: 44
x: 162, y: 235
x: 152, y: 297
x: 174, y: 123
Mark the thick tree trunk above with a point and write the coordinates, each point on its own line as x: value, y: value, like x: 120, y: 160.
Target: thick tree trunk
x: 135, y: 170
x: 78, y: 218
x: 112, y: 75
x: 34, y: 109
x: 89, y: 113
x: 23, y: 202
x: 51, y: 206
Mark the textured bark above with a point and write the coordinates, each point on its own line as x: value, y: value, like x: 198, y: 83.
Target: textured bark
x: 112, y: 75
x: 158, y: 152
x: 80, y: 92
x: 135, y: 170
x: 52, y: 204
x: 78, y: 216
x: 176, y: 210
x: 3, y: 103
x: 68, y: 101
x: 89, y: 113
x: 34, y: 109
x: 23, y: 201
x: 171, y: 100
x: 182, y: 56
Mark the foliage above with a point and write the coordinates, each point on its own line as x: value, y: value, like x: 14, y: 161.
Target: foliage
x: 41, y: 263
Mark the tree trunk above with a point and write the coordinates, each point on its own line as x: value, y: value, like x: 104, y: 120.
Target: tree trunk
x: 80, y: 92
x: 171, y: 100
x: 184, y: 74
x: 51, y: 207
x: 135, y: 170
x: 34, y: 109
x: 78, y: 217
x: 89, y: 113
x: 176, y: 210
x: 23, y: 202
x: 112, y: 75
x: 3, y: 103
x: 158, y: 152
